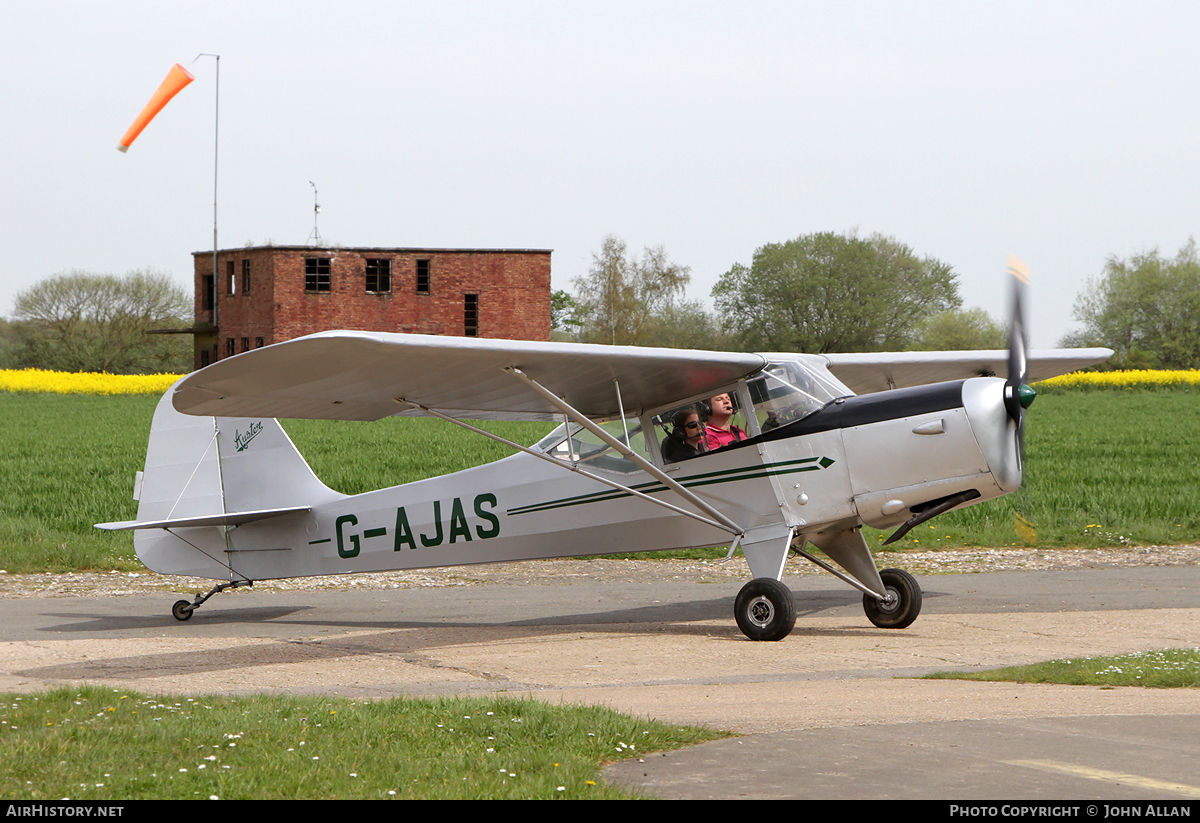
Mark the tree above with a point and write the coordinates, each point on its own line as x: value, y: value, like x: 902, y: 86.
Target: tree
x: 79, y: 321
x: 567, y: 317
x: 960, y: 330
x: 828, y: 292
x: 623, y: 296
x: 10, y: 342
x: 686, y: 324
x: 1146, y: 308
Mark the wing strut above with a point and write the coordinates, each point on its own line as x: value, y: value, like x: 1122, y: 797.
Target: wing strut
x: 624, y: 450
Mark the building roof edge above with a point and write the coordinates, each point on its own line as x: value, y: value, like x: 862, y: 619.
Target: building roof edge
x: 377, y: 249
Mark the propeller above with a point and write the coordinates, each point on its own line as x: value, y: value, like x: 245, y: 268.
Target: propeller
x: 1017, y: 394
x: 1000, y: 432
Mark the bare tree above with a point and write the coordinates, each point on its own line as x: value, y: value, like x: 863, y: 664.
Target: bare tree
x: 80, y: 321
x: 623, y: 295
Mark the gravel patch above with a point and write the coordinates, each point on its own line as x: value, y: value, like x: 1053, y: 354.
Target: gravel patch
x: 947, y: 561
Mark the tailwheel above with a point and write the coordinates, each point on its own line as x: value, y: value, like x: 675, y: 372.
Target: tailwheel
x: 765, y: 610
x: 183, y: 609
x: 903, y: 602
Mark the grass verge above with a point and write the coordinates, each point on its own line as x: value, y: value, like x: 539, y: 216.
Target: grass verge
x: 1166, y: 669
x: 103, y: 743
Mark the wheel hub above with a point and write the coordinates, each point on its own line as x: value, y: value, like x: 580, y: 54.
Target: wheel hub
x: 891, y: 602
x: 760, y: 611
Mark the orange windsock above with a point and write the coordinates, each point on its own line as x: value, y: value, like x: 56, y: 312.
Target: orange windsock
x: 177, y: 78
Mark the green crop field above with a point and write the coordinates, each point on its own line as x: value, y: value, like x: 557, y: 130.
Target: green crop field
x: 1103, y: 468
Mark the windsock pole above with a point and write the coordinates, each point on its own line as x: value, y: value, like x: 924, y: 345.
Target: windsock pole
x: 177, y: 78
x: 216, y: 297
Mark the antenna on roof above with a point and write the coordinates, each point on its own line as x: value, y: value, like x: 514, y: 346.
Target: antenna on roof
x: 314, y: 239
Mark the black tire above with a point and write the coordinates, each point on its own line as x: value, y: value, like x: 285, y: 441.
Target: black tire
x: 182, y: 610
x: 765, y: 610
x: 904, y: 611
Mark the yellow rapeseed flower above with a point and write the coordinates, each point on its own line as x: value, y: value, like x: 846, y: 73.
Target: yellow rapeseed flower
x: 40, y: 380
x: 1124, y: 380
x: 58, y: 382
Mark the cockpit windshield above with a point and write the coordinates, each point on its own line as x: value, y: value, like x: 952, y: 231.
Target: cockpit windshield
x: 786, y: 391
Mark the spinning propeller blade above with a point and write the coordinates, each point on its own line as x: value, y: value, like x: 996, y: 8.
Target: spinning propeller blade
x: 1017, y: 395
x: 1018, y: 343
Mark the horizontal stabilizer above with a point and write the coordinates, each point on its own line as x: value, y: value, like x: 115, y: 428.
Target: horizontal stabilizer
x: 225, y: 519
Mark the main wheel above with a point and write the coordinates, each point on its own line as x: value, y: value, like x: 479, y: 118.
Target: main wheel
x: 182, y: 609
x: 904, y: 606
x: 765, y: 610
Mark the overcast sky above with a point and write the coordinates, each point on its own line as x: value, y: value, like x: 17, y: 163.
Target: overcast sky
x: 1061, y: 132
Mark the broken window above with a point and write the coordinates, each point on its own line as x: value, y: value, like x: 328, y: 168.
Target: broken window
x: 206, y: 292
x: 316, y: 274
x: 245, y: 277
x: 379, y: 276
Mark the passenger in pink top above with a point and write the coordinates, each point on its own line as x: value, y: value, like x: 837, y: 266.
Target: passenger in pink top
x: 720, y: 431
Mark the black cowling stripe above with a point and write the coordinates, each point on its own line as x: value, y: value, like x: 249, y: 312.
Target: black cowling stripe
x: 847, y: 412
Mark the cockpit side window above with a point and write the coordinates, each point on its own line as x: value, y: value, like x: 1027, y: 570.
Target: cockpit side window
x: 681, y: 433
x: 679, y: 442
x: 587, y: 449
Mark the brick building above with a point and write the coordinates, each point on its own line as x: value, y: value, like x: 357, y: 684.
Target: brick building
x: 268, y: 294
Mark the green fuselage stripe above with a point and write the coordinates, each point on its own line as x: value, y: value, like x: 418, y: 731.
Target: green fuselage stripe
x: 706, y: 479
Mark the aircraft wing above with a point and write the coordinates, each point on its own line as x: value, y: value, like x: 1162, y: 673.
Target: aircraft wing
x: 358, y: 375
x: 876, y: 371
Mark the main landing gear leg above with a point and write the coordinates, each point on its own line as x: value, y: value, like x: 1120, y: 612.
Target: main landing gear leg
x: 765, y: 609
x: 182, y: 610
x: 900, y: 602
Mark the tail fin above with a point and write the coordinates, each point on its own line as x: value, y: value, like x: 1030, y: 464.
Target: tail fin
x: 200, y: 467
x: 261, y: 468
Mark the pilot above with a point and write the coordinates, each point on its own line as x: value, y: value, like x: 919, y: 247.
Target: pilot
x: 686, y: 438
x: 720, y: 431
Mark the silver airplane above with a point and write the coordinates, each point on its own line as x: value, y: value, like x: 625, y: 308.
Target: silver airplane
x: 226, y: 495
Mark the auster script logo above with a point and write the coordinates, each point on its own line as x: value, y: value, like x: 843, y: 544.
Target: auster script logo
x: 243, y: 440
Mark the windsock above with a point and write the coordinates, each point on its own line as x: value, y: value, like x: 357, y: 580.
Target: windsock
x: 177, y: 78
